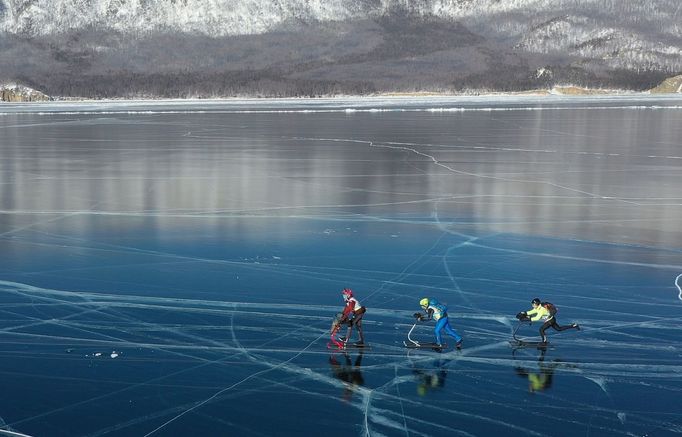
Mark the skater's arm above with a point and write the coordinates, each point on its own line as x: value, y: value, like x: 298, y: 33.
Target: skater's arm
x: 428, y: 316
x: 350, y: 306
x: 536, y: 314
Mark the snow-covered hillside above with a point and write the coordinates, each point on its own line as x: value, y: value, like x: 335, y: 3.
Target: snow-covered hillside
x: 211, y: 17
x: 244, y: 17
x: 329, y: 46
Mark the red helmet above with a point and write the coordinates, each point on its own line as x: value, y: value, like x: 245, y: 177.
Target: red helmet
x: 347, y: 292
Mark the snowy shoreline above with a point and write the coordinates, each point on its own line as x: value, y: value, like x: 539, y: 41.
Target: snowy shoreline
x: 351, y: 104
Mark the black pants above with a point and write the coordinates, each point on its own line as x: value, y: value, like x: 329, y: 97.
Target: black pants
x: 551, y: 322
x: 357, y: 321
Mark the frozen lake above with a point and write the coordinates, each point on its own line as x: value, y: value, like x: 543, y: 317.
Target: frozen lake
x: 172, y: 268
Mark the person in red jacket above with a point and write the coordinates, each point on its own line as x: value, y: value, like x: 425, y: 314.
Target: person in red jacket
x: 352, y: 315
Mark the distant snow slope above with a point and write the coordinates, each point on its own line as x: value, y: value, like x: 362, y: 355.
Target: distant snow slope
x: 242, y: 17
x: 68, y: 46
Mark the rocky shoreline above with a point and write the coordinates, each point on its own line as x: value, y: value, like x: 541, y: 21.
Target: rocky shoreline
x: 20, y: 93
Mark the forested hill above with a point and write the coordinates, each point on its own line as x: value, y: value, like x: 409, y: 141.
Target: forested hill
x: 219, y: 48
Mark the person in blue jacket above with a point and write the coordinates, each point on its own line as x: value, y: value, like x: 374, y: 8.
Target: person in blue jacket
x: 438, y: 312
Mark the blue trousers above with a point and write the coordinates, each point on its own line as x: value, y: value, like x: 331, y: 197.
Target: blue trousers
x: 444, y: 324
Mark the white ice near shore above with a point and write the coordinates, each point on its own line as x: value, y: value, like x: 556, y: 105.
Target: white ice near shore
x: 495, y: 102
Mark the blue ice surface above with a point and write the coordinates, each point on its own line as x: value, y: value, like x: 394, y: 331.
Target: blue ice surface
x: 173, y: 269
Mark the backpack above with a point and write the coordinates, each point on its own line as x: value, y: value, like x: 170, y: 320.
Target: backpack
x: 439, y: 306
x: 550, y: 307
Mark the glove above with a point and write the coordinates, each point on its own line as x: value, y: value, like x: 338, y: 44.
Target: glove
x: 523, y: 317
x: 418, y: 316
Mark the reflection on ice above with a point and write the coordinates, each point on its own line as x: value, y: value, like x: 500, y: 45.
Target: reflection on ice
x: 172, y: 270
x: 430, y: 378
x: 347, y: 370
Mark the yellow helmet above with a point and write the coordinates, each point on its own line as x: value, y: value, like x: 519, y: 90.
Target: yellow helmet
x: 424, y: 302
